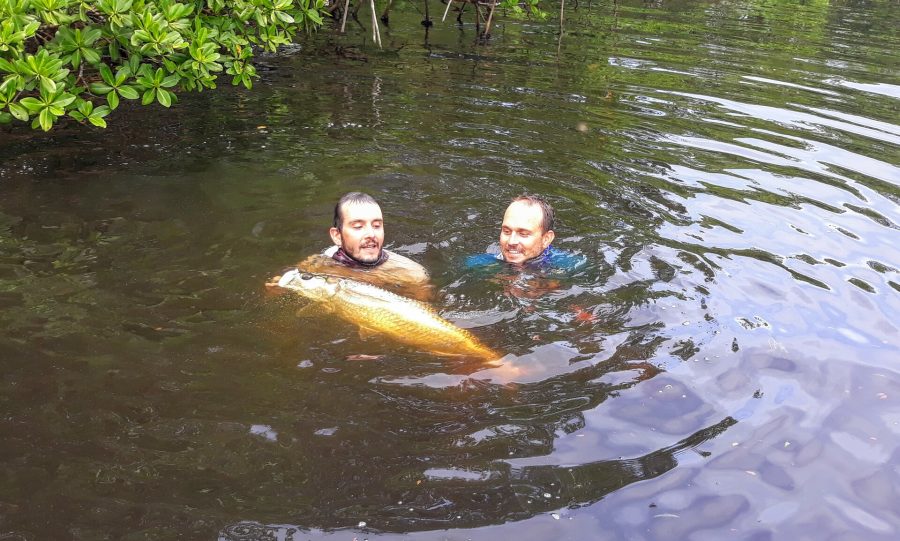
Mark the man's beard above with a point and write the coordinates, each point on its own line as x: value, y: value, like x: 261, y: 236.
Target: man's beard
x: 368, y: 259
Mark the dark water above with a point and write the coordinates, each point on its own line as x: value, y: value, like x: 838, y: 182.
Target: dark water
x: 724, y: 367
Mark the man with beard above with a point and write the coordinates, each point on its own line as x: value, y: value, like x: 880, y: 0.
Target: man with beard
x: 358, y: 235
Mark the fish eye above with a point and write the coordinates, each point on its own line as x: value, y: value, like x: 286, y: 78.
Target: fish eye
x: 306, y: 276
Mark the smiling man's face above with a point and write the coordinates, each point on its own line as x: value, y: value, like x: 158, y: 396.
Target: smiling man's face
x: 522, y: 236
x: 362, y: 231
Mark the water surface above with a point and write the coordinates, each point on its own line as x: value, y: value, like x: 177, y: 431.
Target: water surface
x: 723, y: 367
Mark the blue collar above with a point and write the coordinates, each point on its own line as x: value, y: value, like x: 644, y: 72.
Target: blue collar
x: 542, y: 258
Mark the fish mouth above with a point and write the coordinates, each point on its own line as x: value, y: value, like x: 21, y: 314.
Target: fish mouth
x: 287, y: 277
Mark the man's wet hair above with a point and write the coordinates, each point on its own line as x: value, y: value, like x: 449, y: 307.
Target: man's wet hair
x: 351, y: 198
x: 548, y: 216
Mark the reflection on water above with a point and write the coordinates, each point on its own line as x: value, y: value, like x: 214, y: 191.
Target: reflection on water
x: 722, y: 367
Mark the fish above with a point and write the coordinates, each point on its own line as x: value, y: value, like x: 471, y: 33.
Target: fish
x: 379, y: 311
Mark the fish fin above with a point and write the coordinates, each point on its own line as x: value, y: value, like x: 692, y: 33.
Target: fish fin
x: 366, y: 333
x: 310, y: 310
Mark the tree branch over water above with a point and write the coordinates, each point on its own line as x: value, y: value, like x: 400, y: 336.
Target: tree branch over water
x: 79, y: 59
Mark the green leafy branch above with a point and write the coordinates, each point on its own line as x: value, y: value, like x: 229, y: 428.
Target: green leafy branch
x: 80, y: 58
x: 520, y: 8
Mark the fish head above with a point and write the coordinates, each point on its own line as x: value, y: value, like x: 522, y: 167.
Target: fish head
x: 311, y: 285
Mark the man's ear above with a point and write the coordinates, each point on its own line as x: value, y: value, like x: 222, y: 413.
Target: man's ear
x: 336, y: 236
x: 547, y: 238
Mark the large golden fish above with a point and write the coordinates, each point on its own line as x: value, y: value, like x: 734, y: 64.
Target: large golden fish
x: 379, y: 311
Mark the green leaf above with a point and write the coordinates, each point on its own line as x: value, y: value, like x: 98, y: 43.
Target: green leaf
x: 18, y: 111
x: 113, y: 100
x: 48, y: 85
x: 85, y: 108
x: 45, y: 119
x: 11, y: 82
x: 31, y: 28
x: 107, y: 75
x: 100, y: 88
x: 63, y: 100
x: 148, y: 97
x: 164, y: 98
x: 170, y: 81
x: 32, y: 104
x: 97, y: 121
x: 128, y: 92
x: 91, y: 56
x: 92, y: 35
x: 284, y: 17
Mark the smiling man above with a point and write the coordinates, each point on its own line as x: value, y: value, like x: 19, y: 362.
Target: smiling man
x: 526, y: 239
x: 357, y: 232
x: 527, y: 229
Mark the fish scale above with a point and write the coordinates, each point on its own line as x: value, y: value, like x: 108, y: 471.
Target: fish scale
x: 377, y: 310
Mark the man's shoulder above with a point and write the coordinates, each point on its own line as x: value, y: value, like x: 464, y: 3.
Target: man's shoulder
x: 483, y: 260
x: 564, y: 259
x: 409, y: 270
x: 392, y: 256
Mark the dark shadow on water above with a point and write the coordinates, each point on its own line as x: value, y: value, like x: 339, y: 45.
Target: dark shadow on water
x: 502, y: 494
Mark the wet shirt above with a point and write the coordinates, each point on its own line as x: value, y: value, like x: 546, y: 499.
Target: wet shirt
x: 395, y: 272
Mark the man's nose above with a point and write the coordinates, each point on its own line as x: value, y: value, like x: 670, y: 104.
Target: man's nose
x: 513, y: 238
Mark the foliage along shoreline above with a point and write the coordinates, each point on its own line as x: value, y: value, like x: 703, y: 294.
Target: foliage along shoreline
x: 80, y: 58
